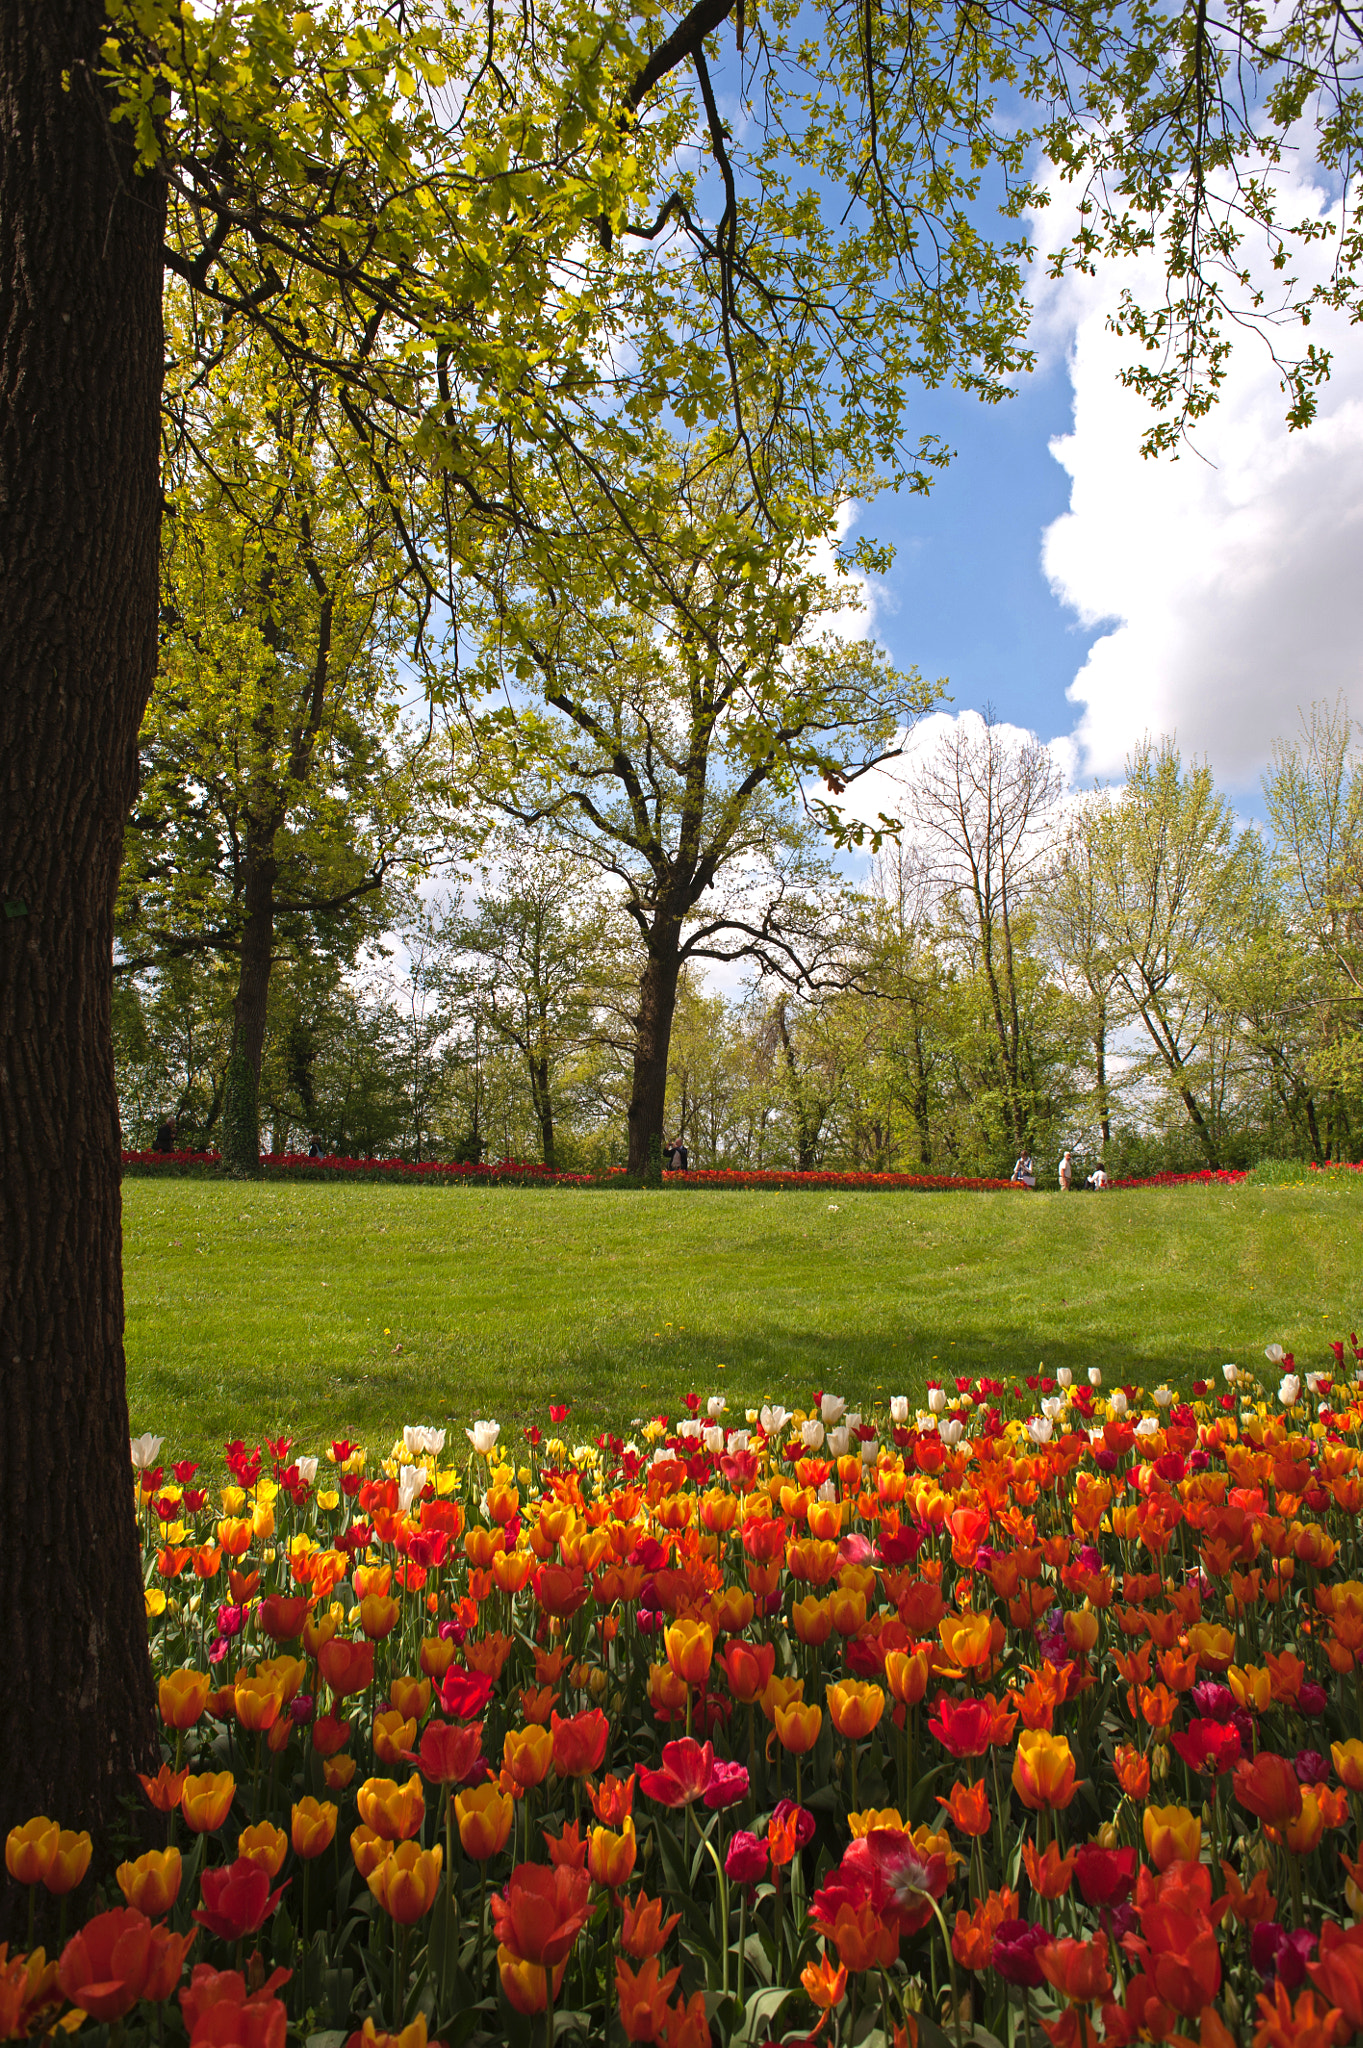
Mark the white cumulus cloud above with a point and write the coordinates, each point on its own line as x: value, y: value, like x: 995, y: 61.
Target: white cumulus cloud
x: 1230, y: 581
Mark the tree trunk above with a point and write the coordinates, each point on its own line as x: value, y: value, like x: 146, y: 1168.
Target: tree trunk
x: 241, y: 1110
x: 544, y: 1105
x: 1100, y: 1069
x: 652, y: 1038
x: 80, y: 375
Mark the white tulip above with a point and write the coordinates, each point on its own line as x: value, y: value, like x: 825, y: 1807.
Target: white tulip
x: 483, y: 1436
x: 1053, y: 1408
x: 739, y: 1441
x: 307, y: 1470
x: 1163, y: 1397
x: 1289, y: 1392
x: 421, y: 1442
x: 870, y: 1450
x: 812, y: 1434
x: 1147, y: 1426
x: 928, y: 1421
x: 713, y: 1438
x: 715, y: 1406
x: 774, y: 1420
x: 832, y: 1408
x: 899, y: 1409
x: 144, y: 1449
x: 1230, y: 1374
x: 1095, y: 1377
x: 937, y: 1400
x: 1117, y: 1401
x: 828, y: 1491
x: 838, y: 1440
x: 1274, y: 1353
x: 411, y: 1480
x: 1041, y: 1429
x: 952, y: 1432
x: 1316, y: 1380
x: 690, y: 1429
x: 1064, y: 1376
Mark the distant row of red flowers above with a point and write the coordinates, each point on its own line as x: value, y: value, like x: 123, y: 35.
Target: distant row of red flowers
x: 528, y: 1172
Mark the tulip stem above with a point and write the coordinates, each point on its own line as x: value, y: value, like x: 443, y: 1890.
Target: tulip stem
x: 400, y: 1981
x: 951, y: 1959
x: 482, y: 1922
x: 743, y: 1941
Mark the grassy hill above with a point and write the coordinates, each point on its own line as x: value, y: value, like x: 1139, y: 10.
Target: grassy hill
x: 320, y: 1311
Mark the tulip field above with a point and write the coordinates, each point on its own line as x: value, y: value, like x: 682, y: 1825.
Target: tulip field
x: 1006, y: 1712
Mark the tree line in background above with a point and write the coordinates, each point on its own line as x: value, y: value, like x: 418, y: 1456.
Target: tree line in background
x: 1125, y: 973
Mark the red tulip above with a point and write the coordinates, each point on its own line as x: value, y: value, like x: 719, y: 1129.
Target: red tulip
x: 106, y: 1967
x: 347, y: 1667
x: 237, y: 1901
x: 963, y: 1727
x: 1268, y: 1786
x: 688, y: 1767
x: 1105, y: 1876
x: 449, y: 1754
x: 542, y: 1911
x: 579, y: 1742
x: 465, y: 1693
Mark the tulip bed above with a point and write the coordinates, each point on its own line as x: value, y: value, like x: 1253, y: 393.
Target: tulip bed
x: 1034, y: 1713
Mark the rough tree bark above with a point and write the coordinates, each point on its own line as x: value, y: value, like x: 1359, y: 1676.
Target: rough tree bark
x: 80, y: 374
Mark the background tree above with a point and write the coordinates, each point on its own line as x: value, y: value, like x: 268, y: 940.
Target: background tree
x: 283, y: 782
x: 1077, y: 924
x: 1173, y: 879
x: 657, y: 717
x: 983, y: 802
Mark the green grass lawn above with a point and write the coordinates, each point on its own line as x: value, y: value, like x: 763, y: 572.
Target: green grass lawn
x: 341, y: 1310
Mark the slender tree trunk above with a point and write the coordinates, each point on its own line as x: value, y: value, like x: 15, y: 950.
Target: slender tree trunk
x: 544, y: 1106
x: 920, y: 1099
x: 1100, y: 1071
x: 241, y: 1110
x: 80, y: 375
x: 653, y: 1036
x: 1314, y: 1129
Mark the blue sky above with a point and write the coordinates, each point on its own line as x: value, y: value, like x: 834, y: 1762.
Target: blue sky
x: 967, y: 597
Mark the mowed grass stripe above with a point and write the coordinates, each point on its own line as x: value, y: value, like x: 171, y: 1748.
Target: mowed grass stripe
x: 317, y: 1311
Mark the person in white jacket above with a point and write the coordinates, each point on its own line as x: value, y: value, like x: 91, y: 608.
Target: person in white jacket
x: 1066, y: 1173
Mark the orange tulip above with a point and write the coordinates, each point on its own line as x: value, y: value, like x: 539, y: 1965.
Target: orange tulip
x: 405, y: 1883
x: 392, y: 1810
x: 578, y: 1743
x: 337, y: 1772
x: 542, y: 1911
x: 1133, y: 1771
x: 855, y: 1707
x: 70, y: 1862
x: 1302, y: 1834
x: 812, y: 1620
x: 393, y: 1736
x: 378, y: 1618
x: 152, y: 1883
x: 1252, y: 1687
x: 1078, y: 1969
x: 1051, y: 1874
x: 967, y: 1639
x: 825, y: 1986
x: 368, y: 1849
x: 906, y: 1674
x: 206, y: 1801
x: 30, y: 1849
x: 968, y: 1808
x: 347, y: 1667
x: 527, y: 1754
x: 610, y: 1856
x: 182, y: 1697
x: 526, y: 1984
x: 257, y: 1701
x: 797, y: 1727
x: 312, y: 1827
x: 643, y: 1930
x: 484, y: 1814
x: 1267, y: 1785
x: 411, y: 1697
x: 437, y: 1655
x: 642, y: 1995
x: 1347, y: 1758
x: 1043, y: 1770
x: 1172, y: 1835
x: 264, y: 1844
x: 747, y: 1668
x: 690, y: 1647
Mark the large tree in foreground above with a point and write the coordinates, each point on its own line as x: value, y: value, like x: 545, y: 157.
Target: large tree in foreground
x: 481, y: 201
